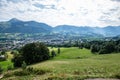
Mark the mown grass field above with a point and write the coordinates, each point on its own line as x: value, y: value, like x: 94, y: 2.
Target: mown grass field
x: 76, y: 64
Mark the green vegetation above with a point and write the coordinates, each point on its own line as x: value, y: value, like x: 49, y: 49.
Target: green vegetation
x: 31, y: 53
x: 7, y: 64
x: 58, y: 51
x: 24, y: 65
x: 73, y: 53
x: 1, y: 70
x: 102, y: 47
x: 72, y: 64
x: 53, y: 54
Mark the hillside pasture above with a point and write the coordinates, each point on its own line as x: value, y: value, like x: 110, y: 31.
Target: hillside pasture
x: 76, y: 64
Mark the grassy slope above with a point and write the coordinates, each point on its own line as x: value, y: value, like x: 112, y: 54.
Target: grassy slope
x: 82, y: 63
x: 74, y: 62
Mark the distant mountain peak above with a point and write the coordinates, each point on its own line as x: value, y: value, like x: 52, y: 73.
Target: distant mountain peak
x: 14, y: 20
x: 18, y: 26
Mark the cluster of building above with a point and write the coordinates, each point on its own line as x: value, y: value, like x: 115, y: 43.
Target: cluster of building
x: 15, y: 44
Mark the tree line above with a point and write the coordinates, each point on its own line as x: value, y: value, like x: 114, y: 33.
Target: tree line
x: 102, y: 47
x: 96, y: 46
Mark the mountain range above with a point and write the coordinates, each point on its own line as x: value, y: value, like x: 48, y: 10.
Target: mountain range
x: 17, y: 26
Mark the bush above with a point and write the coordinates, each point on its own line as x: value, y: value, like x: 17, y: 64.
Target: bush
x: 9, y: 67
x: 53, y: 54
x: 24, y: 65
x: 1, y: 69
x: 30, y: 69
x: 58, y: 50
x: 18, y: 60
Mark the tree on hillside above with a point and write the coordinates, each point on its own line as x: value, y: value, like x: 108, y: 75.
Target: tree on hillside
x: 102, y: 51
x: 18, y: 59
x: 117, y: 48
x: 76, y: 43
x: 58, y: 50
x: 35, y: 52
x: 32, y: 53
x: 53, y: 54
x: 109, y: 47
x: 81, y: 45
x: 87, y: 45
x: 95, y: 48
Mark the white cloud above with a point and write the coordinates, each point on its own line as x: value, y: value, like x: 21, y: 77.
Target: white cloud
x: 57, y: 12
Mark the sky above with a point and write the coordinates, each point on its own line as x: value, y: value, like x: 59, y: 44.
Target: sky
x: 93, y: 13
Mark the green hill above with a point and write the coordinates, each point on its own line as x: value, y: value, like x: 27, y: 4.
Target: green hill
x: 76, y: 64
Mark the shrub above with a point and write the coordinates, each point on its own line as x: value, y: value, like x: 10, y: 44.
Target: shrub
x: 53, y: 54
x: 9, y: 67
x: 18, y: 60
x: 58, y: 50
x: 24, y: 65
x: 1, y: 69
x: 30, y: 69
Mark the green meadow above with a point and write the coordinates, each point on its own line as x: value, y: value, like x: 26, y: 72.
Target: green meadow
x: 5, y: 64
x: 74, y: 64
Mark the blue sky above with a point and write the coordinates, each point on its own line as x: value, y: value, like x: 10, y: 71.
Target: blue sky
x: 58, y: 12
